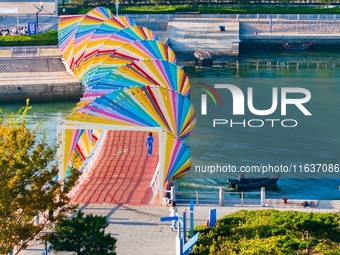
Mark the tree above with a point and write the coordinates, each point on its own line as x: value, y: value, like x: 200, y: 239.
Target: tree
x: 241, y: 3
x: 326, y: 2
x: 285, y: 3
x: 83, y: 235
x: 28, y: 185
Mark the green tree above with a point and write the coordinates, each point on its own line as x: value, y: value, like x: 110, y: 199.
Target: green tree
x: 241, y: 3
x: 326, y: 2
x: 83, y: 235
x: 28, y: 185
x: 285, y: 3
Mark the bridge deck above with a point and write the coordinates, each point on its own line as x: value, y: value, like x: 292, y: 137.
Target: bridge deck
x: 123, y: 171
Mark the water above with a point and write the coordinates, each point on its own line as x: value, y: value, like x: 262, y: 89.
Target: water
x: 316, y: 138
x: 49, y: 113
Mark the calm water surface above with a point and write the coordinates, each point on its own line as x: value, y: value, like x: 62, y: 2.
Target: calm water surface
x: 316, y: 139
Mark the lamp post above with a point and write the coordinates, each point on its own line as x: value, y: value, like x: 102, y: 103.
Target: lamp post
x: 37, y: 20
x: 117, y: 7
x: 56, y: 7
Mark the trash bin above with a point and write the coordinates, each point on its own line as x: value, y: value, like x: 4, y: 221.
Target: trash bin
x: 222, y: 28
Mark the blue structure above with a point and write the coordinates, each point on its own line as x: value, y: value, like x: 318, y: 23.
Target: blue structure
x: 183, y: 247
x: 32, y: 28
x: 212, y: 218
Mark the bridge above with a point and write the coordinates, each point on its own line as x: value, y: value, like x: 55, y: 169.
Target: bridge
x: 122, y: 172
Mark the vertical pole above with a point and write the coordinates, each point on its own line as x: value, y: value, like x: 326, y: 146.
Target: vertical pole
x: 37, y: 219
x: 172, y: 193
x: 56, y: 7
x: 184, y: 225
x: 196, y: 197
x: 179, y: 245
x: 263, y: 196
x: 161, y: 163
x: 242, y: 198
x: 257, y: 17
x: 221, y: 196
x: 179, y: 230
x: 191, y: 219
x: 237, y: 18
x: 46, y: 249
x: 117, y: 7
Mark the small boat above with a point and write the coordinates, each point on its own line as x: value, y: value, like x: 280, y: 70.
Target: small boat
x: 243, y: 183
x: 203, y: 57
x: 291, y: 46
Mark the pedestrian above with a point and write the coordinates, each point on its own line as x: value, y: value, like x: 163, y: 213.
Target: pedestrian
x: 41, y: 5
x: 173, y: 211
x: 149, y: 143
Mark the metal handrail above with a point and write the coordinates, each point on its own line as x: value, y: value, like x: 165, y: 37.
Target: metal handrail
x: 154, y: 185
x: 199, y: 198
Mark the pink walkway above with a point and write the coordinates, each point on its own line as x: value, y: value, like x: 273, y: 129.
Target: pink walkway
x: 123, y: 171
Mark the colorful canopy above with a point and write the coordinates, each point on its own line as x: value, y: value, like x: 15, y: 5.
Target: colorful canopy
x: 130, y: 79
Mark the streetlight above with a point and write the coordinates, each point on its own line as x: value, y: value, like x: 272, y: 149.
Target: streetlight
x: 37, y: 20
x: 56, y: 7
x: 117, y: 7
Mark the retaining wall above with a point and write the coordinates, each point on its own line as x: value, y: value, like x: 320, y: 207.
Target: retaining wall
x: 41, y: 92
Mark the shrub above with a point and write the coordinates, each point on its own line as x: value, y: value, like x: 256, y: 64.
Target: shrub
x: 48, y: 38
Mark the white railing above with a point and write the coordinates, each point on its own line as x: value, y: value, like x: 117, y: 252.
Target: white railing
x: 286, y: 17
x: 154, y: 184
x: 86, y: 167
x: 257, y: 17
x: 218, y: 197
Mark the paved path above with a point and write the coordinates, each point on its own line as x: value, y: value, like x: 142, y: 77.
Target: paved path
x: 139, y: 231
x: 122, y: 173
x: 26, y: 7
x: 47, y: 18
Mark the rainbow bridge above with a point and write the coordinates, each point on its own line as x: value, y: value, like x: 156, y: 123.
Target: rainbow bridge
x: 133, y: 86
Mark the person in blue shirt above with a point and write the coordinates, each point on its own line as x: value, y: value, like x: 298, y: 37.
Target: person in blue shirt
x: 149, y: 143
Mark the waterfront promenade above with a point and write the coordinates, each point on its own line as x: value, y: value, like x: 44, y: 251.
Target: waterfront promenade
x: 139, y: 231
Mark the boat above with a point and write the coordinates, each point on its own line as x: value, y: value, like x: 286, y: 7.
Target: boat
x: 291, y: 46
x: 243, y: 183
x: 203, y: 57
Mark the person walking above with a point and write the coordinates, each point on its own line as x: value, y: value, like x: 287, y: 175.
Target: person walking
x: 149, y: 143
x: 173, y: 211
x: 41, y: 5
